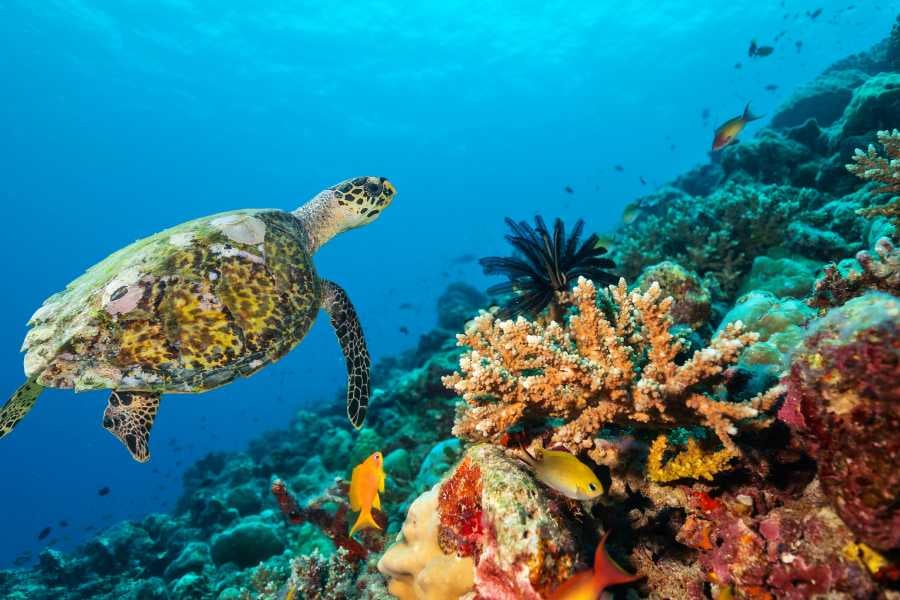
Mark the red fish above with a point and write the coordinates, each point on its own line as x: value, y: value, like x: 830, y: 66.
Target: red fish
x: 727, y: 133
x: 588, y: 584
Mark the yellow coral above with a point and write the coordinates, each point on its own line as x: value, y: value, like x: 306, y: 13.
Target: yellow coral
x: 595, y: 371
x: 416, y: 567
x: 872, y: 560
x: 692, y: 463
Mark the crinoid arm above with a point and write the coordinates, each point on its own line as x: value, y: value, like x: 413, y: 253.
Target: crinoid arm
x: 545, y: 264
x: 353, y: 344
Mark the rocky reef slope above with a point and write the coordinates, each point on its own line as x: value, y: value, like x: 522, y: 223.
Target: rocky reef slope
x: 739, y: 402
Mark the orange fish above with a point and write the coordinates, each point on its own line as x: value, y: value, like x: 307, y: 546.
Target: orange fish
x: 366, y: 481
x: 588, y: 584
x: 727, y: 133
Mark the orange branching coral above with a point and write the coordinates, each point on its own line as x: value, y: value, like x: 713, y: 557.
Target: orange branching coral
x: 871, y: 166
x: 691, y: 463
x: 595, y: 371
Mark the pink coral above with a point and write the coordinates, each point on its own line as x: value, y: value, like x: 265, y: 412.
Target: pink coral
x: 762, y: 545
x: 843, y: 402
x: 459, y: 502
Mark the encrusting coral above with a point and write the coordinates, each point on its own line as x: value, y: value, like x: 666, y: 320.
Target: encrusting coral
x: 843, y: 404
x: 885, y: 170
x: 417, y: 567
x: 594, y: 372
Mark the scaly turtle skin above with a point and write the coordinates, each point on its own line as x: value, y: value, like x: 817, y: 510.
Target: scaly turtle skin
x: 192, y: 308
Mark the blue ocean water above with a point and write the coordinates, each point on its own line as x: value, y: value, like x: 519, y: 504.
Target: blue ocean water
x: 119, y: 119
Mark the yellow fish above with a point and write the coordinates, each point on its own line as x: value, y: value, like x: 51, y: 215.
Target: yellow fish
x: 564, y: 473
x: 631, y: 212
x: 366, y: 481
x: 605, y: 240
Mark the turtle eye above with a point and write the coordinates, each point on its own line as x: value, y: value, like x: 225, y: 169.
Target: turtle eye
x: 373, y: 188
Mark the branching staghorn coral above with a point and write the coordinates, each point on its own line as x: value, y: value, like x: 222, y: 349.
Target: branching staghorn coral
x: 872, y: 166
x: 595, y: 371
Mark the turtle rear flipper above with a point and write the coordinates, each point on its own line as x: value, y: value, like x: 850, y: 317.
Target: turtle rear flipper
x: 18, y: 405
x: 129, y: 416
x: 353, y: 344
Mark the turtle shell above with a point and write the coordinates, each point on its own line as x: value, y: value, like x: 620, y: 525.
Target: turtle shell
x: 188, y: 309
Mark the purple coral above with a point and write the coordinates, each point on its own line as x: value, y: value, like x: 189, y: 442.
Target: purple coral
x: 843, y: 401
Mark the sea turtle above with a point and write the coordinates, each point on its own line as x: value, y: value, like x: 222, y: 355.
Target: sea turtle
x: 192, y: 308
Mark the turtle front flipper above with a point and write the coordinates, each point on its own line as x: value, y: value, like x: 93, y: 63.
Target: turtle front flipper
x: 129, y: 416
x: 353, y: 343
x: 18, y: 405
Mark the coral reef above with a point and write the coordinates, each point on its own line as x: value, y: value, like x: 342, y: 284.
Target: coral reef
x: 871, y: 166
x: 594, y: 372
x: 869, y: 273
x: 756, y: 544
x: 661, y: 389
x: 691, y: 301
x: 844, y: 402
x: 491, y: 514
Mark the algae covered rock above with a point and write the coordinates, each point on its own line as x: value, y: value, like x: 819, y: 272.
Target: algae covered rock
x: 875, y: 105
x: 823, y: 99
x: 192, y: 558
x: 247, y: 543
x: 843, y: 401
x: 245, y: 499
x: 779, y: 324
x: 692, y: 306
x: 783, y: 277
x: 438, y: 461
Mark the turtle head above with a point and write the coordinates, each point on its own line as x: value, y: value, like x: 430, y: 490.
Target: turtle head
x: 359, y: 201
x: 347, y: 205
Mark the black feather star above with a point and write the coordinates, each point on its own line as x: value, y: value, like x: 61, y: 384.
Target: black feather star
x: 545, y: 264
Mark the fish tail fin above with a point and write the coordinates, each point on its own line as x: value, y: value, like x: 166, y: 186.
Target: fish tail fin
x: 606, y: 571
x: 364, y: 521
x: 18, y: 405
x: 749, y: 116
